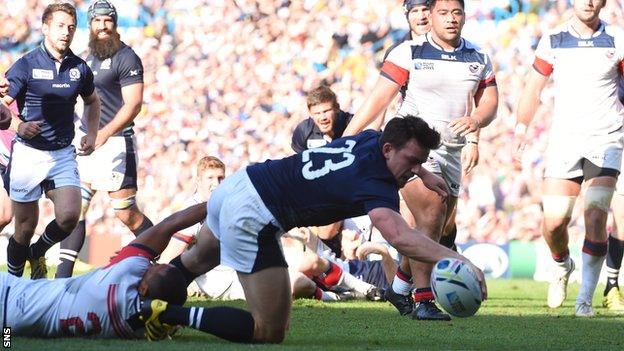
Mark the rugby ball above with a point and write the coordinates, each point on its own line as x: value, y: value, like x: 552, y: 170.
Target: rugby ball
x: 455, y: 287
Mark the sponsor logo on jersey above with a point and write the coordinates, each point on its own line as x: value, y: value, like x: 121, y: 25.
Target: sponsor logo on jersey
x: 42, y: 74
x: 106, y: 64
x: 425, y: 66
x: 61, y: 85
x: 134, y: 72
x: 585, y: 43
x: 74, y: 74
x: 448, y: 57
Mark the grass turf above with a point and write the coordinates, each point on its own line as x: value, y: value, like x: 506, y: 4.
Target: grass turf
x: 514, y: 318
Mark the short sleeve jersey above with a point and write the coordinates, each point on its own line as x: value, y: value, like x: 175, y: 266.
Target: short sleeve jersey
x: 111, y: 74
x: 308, y: 136
x: 97, y: 304
x: 586, y: 73
x: 441, y: 85
x: 345, y: 178
x: 47, y: 92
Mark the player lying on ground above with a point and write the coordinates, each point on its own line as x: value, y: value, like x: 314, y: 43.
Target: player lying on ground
x: 104, y: 303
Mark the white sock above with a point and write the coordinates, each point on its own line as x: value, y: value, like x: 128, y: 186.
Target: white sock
x: 589, y: 277
x: 350, y: 282
x: 400, y: 286
x: 329, y: 296
x: 564, y: 265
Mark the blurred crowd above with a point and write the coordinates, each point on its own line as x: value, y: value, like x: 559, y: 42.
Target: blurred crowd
x: 229, y: 77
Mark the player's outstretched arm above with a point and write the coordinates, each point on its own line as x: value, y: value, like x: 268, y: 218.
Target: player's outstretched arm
x: 415, y: 244
x: 158, y: 236
x: 378, y: 100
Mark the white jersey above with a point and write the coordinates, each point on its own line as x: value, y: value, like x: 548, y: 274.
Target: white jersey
x: 586, y: 73
x: 441, y: 85
x: 187, y: 235
x: 97, y: 304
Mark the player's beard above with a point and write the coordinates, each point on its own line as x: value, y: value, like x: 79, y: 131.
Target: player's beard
x: 104, y: 48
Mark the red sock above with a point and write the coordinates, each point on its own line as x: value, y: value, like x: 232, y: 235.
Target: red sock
x: 330, y: 278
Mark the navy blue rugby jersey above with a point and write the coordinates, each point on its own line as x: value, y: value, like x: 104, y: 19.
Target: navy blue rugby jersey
x: 345, y: 178
x: 111, y: 74
x: 47, y: 93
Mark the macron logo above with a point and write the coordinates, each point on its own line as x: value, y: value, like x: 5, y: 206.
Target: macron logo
x: 62, y: 85
x: 585, y: 43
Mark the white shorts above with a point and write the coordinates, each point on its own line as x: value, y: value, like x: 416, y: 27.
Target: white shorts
x: 248, y: 232
x: 447, y: 163
x: 221, y: 283
x: 565, y: 156
x: 111, y: 167
x: 33, y: 171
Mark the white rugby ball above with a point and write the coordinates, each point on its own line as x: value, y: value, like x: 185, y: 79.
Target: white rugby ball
x: 455, y: 287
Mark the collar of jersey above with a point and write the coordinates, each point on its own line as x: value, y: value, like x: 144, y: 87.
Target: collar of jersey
x: 575, y: 34
x: 433, y: 43
x: 47, y: 53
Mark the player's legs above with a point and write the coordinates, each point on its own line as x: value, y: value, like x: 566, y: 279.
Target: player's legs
x: 598, y: 197
x: 202, y: 257
x: 269, y: 300
x: 328, y: 275
x: 6, y: 209
x: 558, y: 203
x: 66, y: 200
x: 431, y: 215
x: 612, y: 297
x: 126, y: 209
x: 26, y: 217
x: 70, y: 246
x: 449, y: 233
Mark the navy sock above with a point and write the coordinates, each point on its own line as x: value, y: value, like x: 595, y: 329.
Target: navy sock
x: 614, y: 262
x: 228, y: 323
x: 52, y: 235
x: 145, y: 225
x: 70, y: 247
x: 16, y: 257
x: 449, y: 240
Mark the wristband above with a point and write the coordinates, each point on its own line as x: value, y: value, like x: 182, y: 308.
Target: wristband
x: 473, y: 142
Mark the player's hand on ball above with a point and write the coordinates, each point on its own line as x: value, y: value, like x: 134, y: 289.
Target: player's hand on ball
x: 154, y: 329
x: 87, y: 145
x: 480, y: 277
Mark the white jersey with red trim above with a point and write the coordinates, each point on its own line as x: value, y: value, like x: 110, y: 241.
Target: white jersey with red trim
x: 586, y: 73
x: 441, y: 85
x: 97, y: 304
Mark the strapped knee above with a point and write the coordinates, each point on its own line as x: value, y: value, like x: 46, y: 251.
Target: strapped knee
x: 558, y: 206
x: 598, y: 197
x: 123, y: 204
x: 87, y: 195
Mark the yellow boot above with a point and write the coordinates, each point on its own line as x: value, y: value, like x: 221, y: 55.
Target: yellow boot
x: 613, y: 300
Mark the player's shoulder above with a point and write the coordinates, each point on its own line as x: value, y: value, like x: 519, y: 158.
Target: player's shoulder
x: 614, y: 31
x: 475, y: 52
x: 125, y: 52
x: 404, y: 46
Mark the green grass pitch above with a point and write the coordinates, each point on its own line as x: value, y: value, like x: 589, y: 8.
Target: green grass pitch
x: 514, y: 318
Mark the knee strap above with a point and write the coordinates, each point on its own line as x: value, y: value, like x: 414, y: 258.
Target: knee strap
x: 87, y: 195
x: 598, y: 197
x: 122, y: 204
x: 558, y: 206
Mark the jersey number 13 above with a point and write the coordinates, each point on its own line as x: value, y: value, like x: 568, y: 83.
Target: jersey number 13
x: 329, y: 164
